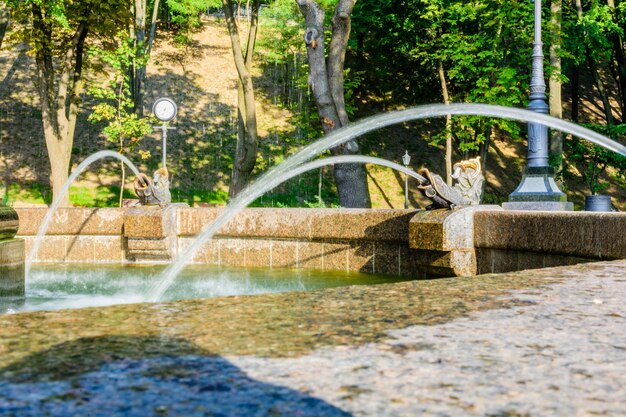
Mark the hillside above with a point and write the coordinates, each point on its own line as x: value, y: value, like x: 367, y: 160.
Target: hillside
x: 201, y: 78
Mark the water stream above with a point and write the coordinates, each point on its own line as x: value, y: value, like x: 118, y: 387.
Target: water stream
x: 283, y: 171
x: 66, y: 187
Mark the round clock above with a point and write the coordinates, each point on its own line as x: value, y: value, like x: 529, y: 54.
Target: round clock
x: 164, y: 109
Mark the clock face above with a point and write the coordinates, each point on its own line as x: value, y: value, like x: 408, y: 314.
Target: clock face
x: 164, y: 109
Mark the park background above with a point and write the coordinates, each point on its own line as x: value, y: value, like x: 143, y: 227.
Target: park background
x: 398, y: 55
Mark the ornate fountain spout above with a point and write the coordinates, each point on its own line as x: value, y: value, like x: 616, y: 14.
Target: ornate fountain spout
x: 466, y: 192
x: 154, y: 191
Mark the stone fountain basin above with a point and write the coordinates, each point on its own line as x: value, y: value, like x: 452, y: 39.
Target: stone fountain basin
x: 412, y: 243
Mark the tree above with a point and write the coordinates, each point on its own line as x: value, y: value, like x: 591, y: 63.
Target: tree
x: 555, y: 83
x: 58, y: 35
x: 247, y: 136
x: 124, y: 128
x: 5, y: 20
x: 480, y: 52
x: 326, y: 78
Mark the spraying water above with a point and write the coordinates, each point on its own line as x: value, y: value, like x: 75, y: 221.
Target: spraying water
x: 55, y: 204
x: 252, y: 194
x: 357, y: 129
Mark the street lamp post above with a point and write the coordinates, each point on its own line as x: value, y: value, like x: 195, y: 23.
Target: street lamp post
x: 538, y: 190
x: 406, y: 159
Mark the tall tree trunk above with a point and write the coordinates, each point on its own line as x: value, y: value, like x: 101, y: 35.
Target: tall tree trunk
x: 153, y: 22
x: 59, y: 100
x: 326, y: 79
x: 446, y: 100
x: 593, y: 68
x: 138, y: 69
x: 5, y: 20
x: 555, y: 100
x: 620, y: 66
x: 247, y: 138
x: 575, y: 91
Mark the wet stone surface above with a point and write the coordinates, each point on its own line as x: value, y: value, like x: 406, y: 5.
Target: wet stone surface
x: 534, y: 343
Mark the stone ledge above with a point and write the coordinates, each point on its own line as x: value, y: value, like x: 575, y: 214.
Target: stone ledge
x: 72, y: 221
x: 306, y: 224
x: 588, y: 235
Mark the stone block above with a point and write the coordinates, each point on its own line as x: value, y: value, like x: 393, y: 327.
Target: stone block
x: 208, y: 253
x: 387, y: 258
x: 150, y: 222
x: 336, y: 256
x: 134, y: 244
x: 258, y: 253
x: 191, y: 221
x: 9, y: 223
x: 361, y: 224
x: 232, y: 252
x: 12, y: 252
x: 253, y: 222
x: 293, y: 254
x: 445, y: 230
x: 361, y: 256
x: 109, y: 249
x: 12, y: 275
x: 12, y: 281
x: 72, y: 221
x: 80, y: 249
x: 591, y: 235
x: 156, y: 226
x: 52, y: 249
x: 310, y: 255
x: 501, y: 260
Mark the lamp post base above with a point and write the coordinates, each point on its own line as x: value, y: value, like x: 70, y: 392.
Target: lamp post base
x: 538, y: 191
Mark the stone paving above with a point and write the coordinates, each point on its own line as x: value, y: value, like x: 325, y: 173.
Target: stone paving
x: 565, y: 356
x: 559, y: 350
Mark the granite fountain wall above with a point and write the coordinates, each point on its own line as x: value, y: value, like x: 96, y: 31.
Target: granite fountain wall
x: 11, y: 255
x: 400, y: 242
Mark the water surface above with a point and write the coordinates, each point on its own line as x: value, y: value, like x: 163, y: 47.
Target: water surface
x: 56, y: 286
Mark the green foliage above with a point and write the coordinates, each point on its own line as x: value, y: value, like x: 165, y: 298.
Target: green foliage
x: 123, y: 127
x: 185, y: 16
x: 595, y: 163
x: 483, y: 46
x: 192, y: 196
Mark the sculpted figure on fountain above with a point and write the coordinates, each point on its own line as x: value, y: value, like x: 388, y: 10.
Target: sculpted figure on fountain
x: 466, y: 192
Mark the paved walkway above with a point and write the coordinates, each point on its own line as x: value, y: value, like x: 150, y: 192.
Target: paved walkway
x: 565, y: 355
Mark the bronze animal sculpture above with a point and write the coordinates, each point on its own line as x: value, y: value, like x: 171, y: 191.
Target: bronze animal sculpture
x: 154, y: 191
x: 466, y: 192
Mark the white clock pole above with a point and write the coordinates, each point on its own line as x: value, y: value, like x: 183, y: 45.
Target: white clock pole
x: 165, y: 110
x: 164, y: 128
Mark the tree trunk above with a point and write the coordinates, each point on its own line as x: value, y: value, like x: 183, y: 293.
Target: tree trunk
x: 247, y: 138
x: 555, y: 100
x: 575, y: 92
x: 5, y: 20
x: 327, y: 84
x: 446, y: 100
x: 153, y: 22
x: 620, y: 67
x: 138, y: 69
x: 593, y: 68
x: 59, y: 100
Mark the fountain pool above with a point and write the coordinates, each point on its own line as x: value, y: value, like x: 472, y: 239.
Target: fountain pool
x: 63, y: 286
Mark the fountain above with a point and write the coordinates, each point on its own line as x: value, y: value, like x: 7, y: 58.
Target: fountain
x: 280, y: 173
x: 151, y: 235
x: 66, y: 187
x: 11, y: 255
